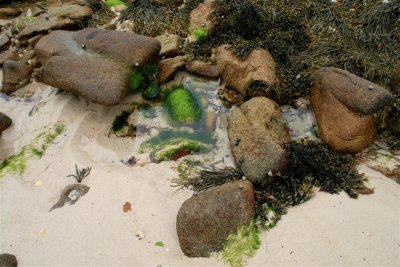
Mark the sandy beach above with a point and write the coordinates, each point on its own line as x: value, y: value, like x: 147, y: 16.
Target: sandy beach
x: 328, y: 230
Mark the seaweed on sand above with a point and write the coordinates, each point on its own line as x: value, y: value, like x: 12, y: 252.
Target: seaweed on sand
x: 309, y: 164
x: 152, y: 20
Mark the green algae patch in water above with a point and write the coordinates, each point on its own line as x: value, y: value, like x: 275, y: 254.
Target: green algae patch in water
x: 16, y: 164
x: 241, y: 246
x: 182, y: 106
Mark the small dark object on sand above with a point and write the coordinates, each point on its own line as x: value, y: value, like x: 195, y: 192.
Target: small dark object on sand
x: 70, y: 195
x: 80, y: 174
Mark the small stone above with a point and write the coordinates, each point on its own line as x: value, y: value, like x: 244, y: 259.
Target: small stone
x: 8, y: 260
x: 5, y: 122
x: 168, y: 67
x: 4, y: 41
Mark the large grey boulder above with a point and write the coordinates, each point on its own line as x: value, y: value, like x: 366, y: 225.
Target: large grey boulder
x: 205, y: 221
x: 257, y: 134
x: 99, y: 62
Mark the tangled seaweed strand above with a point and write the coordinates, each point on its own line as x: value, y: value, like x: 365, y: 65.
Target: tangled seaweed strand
x: 309, y: 164
x: 80, y: 174
x: 152, y: 20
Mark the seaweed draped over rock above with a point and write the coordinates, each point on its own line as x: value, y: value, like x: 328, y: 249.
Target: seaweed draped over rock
x: 153, y: 20
x: 307, y: 35
x: 309, y: 164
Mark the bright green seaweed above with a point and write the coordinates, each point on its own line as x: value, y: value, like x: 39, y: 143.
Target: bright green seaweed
x: 182, y: 107
x: 111, y: 3
x: 16, y: 164
x: 241, y: 246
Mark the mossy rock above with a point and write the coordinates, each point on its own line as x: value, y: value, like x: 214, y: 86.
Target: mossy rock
x: 182, y: 106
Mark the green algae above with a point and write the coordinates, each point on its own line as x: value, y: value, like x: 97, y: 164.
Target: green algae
x: 120, y: 121
x: 146, y: 80
x: 182, y: 106
x: 200, y: 34
x: 16, y: 164
x: 169, y: 135
x: 241, y: 246
x: 175, y: 149
x: 159, y: 244
x: 112, y: 3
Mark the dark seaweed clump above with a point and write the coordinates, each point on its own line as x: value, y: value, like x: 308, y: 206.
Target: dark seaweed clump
x: 309, y: 164
x: 120, y: 121
x: 153, y: 20
x: 309, y: 34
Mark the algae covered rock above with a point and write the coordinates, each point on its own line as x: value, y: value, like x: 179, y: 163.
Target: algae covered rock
x: 176, y: 149
x: 205, y: 221
x: 182, y: 106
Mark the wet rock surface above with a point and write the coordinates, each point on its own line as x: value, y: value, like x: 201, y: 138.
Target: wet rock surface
x: 203, y: 69
x: 5, y: 122
x: 9, y: 12
x: 169, y: 45
x: 8, y: 260
x: 100, y: 61
x: 206, y: 220
x: 168, y: 67
x: 4, y: 41
x: 344, y: 105
x: 16, y: 74
x: 56, y: 18
x: 200, y: 17
x: 9, y: 54
x: 256, y: 133
x: 259, y: 65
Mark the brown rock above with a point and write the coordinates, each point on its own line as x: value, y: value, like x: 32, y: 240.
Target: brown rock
x: 128, y: 48
x: 257, y: 133
x: 169, y: 45
x: 58, y: 17
x: 238, y: 74
x: 9, y: 12
x: 108, y: 88
x: 4, y: 56
x: 35, y: 39
x: 200, y: 17
x: 4, y: 42
x: 344, y: 104
x: 206, y: 220
x: 168, y: 67
x: 203, y: 69
x: 5, y: 122
x: 16, y: 74
x: 99, y: 61
x: 29, y: 54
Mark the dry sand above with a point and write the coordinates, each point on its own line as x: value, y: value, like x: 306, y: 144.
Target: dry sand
x: 329, y: 230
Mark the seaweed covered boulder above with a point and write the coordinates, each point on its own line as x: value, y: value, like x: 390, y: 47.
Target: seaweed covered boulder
x: 182, y: 107
x: 259, y: 66
x: 206, y: 220
x: 5, y: 122
x: 99, y: 62
x: 201, y: 17
x: 344, y: 105
x: 257, y: 134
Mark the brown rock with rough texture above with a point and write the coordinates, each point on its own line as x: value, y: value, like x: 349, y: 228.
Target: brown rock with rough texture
x: 5, y: 122
x: 99, y: 81
x: 344, y: 104
x: 257, y: 133
x: 99, y: 62
x: 8, y: 260
x: 259, y: 65
x: 16, y: 74
x: 205, y: 221
x: 168, y: 67
x: 200, y: 17
x: 9, y: 12
x: 203, y: 69
x: 169, y: 45
x: 4, y: 42
x: 4, y: 56
x: 58, y: 17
